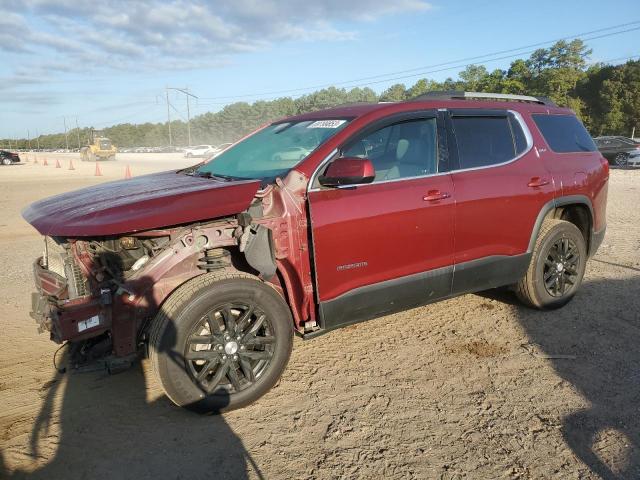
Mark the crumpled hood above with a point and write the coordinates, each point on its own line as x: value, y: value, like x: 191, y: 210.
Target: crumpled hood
x: 141, y: 203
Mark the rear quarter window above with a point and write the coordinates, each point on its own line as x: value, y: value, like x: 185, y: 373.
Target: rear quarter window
x: 564, y: 133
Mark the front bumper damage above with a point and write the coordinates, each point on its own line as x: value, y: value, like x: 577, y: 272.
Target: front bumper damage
x: 66, y: 319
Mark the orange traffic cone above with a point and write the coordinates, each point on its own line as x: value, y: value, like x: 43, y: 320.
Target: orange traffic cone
x: 127, y: 172
x: 71, y: 164
x: 58, y: 164
x: 98, y: 172
x: 45, y: 162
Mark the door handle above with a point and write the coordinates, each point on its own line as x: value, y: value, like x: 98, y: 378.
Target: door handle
x: 435, y: 195
x: 538, y: 182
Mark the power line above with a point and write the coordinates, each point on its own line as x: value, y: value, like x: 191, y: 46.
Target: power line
x: 467, y: 59
x: 445, y: 69
x: 187, y: 94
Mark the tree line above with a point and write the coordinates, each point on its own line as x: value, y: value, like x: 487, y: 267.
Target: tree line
x: 605, y: 97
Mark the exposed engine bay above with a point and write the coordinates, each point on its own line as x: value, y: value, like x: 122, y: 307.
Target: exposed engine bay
x: 111, y: 261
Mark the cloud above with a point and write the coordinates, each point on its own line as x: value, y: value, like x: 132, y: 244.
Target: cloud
x: 45, y: 43
x: 120, y: 34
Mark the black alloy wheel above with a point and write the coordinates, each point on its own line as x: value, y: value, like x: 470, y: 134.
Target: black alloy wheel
x: 561, y: 267
x: 221, y: 341
x: 230, y: 347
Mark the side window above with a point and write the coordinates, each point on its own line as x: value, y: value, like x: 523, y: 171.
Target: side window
x: 564, y: 133
x: 484, y: 140
x: 401, y: 150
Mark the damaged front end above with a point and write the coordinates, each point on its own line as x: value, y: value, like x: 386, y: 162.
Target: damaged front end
x: 82, y: 284
x: 106, y: 290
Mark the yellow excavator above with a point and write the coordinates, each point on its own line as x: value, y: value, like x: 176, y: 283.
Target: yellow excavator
x: 100, y: 148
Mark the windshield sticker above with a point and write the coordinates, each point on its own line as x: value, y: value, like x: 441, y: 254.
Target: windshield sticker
x: 326, y: 124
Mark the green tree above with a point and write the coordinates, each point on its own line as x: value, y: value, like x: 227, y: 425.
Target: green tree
x: 395, y: 93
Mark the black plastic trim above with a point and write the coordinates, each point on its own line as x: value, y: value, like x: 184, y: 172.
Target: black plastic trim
x: 596, y: 241
x: 386, y: 297
x: 391, y: 296
x: 559, y: 202
x: 489, y: 272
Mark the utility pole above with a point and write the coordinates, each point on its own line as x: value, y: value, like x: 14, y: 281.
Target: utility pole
x: 168, y: 115
x: 29, y: 138
x: 66, y: 137
x: 78, y: 132
x: 186, y: 92
x: 188, y: 121
x: 38, y: 139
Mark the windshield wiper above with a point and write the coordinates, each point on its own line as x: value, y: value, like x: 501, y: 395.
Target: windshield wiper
x: 216, y: 176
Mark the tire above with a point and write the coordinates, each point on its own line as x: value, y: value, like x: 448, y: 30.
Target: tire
x: 6, y: 161
x: 621, y: 159
x: 554, y: 274
x: 188, y: 371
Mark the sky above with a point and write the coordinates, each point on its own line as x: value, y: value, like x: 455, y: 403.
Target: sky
x: 108, y: 62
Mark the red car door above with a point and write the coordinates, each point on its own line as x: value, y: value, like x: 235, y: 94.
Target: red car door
x: 388, y: 245
x: 501, y: 185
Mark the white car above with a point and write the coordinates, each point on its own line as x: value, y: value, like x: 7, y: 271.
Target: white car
x: 198, y: 151
x: 213, y: 153
x: 290, y: 154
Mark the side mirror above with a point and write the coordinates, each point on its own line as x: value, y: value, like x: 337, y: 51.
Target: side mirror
x: 348, y: 171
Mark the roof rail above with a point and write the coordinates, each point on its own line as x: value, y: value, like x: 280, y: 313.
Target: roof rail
x: 460, y: 95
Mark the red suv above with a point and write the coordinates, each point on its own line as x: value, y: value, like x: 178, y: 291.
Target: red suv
x: 384, y: 207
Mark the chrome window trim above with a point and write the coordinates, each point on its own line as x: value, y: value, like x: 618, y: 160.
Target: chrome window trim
x: 516, y: 115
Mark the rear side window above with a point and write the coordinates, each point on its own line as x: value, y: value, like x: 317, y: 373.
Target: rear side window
x: 485, y: 140
x: 564, y: 133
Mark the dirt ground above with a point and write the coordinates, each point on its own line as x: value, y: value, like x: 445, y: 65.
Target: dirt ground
x: 474, y: 387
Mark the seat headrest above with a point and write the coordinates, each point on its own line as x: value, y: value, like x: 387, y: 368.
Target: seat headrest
x: 402, y: 148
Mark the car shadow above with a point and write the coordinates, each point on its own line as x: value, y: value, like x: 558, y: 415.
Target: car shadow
x: 594, y: 343
x: 104, y: 426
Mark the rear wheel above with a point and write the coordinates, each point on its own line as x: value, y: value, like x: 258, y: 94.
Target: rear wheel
x: 6, y: 161
x: 220, y: 342
x: 557, y: 266
x: 621, y: 159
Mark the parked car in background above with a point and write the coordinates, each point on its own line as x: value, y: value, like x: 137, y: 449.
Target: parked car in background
x: 634, y: 159
x: 211, y: 269
x: 218, y: 150
x: 198, y: 151
x: 291, y: 153
x: 7, y: 157
x: 619, y: 151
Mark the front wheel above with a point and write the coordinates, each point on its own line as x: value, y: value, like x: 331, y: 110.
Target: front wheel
x: 557, y: 266
x: 220, y: 342
x: 6, y: 161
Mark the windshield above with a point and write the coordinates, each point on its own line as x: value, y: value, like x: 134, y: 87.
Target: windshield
x: 272, y: 151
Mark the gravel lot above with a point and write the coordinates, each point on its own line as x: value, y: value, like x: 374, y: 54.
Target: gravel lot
x: 474, y: 387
